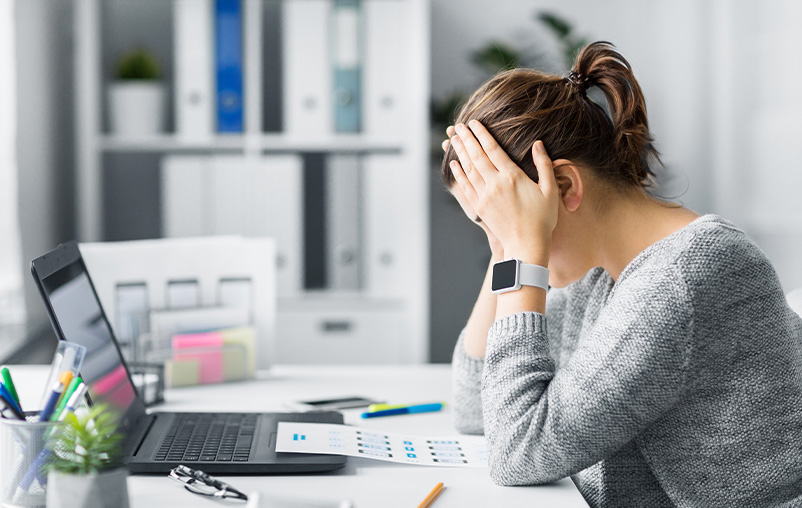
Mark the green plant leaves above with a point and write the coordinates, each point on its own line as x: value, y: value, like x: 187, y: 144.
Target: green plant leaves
x: 570, y: 44
x: 496, y: 56
x: 138, y: 65
x: 86, y: 443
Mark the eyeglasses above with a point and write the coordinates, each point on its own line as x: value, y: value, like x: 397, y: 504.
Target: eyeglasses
x: 202, y: 484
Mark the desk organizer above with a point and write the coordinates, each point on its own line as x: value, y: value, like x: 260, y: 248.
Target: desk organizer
x: 21, y: 442
x: 206, y: 357
x: 149, y: 381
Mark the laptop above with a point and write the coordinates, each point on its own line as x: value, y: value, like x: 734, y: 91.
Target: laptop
x: 156, y: 442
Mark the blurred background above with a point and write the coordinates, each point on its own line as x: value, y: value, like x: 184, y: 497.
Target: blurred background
x: 318, y: 123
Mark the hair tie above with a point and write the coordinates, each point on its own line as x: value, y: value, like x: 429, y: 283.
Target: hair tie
x: 580, y: 81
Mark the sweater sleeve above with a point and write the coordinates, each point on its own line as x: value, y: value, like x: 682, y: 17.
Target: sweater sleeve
x: 542, y: 424
x: 466, y: 372
x: 466, y: 377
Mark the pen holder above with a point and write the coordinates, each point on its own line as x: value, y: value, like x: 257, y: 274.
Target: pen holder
x: 22, y: 481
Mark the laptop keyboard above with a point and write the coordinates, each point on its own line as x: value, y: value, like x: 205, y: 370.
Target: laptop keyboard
x: 209, y: 437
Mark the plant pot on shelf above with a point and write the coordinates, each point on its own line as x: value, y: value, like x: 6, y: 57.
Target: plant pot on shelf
x: 136, y: 108
x: 108, y: 489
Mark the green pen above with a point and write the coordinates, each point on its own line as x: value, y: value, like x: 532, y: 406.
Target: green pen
x: 10, y: 384
x: 66, y: 396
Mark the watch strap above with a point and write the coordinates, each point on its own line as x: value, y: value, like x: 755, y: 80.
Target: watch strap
x: 533, y: 275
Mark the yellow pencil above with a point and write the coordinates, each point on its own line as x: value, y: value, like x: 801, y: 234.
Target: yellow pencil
x: 432, y: 496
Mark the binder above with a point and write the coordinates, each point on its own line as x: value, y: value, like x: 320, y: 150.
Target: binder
x: 307, y: 81
x: 343, y: 222
x: 261, y: 197
x: 276, y: 211
x: 228, y: 196
x: 236, y: 195
x: 385, y: 68
x: 184, y: 183
x: 194, y: 81
x: 228, y: 53
x: 346, y: 58
x: 385, y: 228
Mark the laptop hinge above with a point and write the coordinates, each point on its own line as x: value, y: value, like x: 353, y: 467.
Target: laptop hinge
x: 136, y: 440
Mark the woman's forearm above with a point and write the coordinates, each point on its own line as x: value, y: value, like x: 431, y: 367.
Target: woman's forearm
x: 482, y: 316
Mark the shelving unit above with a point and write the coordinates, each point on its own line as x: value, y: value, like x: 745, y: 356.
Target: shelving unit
x: 345, y: 322
x: 265, y: 143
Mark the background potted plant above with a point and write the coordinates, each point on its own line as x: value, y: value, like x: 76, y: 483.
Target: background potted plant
x: 496, y: 56
x: 84, y: 469
x: 137, y: 97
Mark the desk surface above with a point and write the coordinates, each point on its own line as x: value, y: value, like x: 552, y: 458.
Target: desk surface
x: 368, y: 483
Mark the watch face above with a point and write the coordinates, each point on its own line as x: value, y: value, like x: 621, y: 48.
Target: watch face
x: 504, y: 274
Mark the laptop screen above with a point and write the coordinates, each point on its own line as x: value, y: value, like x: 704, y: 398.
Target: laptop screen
x: 78, y: 316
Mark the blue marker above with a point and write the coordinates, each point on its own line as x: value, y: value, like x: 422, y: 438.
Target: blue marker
x: 56, y: 393
x: 10, y: 398
x: 420, y: 408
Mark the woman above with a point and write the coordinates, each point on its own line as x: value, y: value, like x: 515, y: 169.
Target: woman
x: 664, y: 366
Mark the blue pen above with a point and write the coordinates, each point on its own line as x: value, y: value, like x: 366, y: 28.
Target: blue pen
x: 52, y: 401
x: 420, y: 408
x: 7, y: 408
x: 10, y: 398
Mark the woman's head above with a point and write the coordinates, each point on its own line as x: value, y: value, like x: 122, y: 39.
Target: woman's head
x: 600, y: 156
x: 522, y: 106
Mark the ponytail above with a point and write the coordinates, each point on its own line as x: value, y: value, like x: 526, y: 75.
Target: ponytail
x: 521, y: 106
x: 600, y: 64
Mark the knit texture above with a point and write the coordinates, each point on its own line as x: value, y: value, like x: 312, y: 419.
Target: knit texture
x: 679, y: 384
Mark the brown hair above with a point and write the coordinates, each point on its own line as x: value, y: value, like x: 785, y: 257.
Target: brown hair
x: 522, y: 106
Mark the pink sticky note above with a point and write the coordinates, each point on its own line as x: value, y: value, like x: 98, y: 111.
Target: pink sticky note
x: 206, y: 348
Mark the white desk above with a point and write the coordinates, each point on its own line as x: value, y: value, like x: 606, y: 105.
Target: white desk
x: 368, y: 483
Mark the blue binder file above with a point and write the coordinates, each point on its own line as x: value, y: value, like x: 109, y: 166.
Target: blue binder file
x: 228, y: 52
x: 347, y: 66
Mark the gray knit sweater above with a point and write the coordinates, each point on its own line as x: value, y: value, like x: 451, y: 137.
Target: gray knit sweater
x: 679, y: 384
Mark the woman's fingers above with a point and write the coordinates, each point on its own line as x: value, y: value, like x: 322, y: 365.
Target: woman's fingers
x: 497, y: 156
x: 468, y: 168
x: 545, y: 169
x: 476, y: 152
x: 449, y: 133
x: 464, y: 184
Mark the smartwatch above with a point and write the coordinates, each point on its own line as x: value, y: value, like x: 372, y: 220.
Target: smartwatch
x: 511, y: 274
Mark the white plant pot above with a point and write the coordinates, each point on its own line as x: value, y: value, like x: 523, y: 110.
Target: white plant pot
x: 136, y: 108
x: 105, y: 490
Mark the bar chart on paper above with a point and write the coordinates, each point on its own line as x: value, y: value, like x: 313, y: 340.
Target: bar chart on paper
x: 453, y: 451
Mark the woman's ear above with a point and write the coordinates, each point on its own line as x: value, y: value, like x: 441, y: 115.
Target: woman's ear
x: 570, y: 183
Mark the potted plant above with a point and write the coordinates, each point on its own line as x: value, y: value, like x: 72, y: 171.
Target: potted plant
x: 85, y: 469
x: 137, y: 97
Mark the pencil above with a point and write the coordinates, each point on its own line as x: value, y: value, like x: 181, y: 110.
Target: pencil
x: 432, y: 496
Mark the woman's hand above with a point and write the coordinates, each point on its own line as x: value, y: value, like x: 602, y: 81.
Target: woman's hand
x: 520, y: 213
x: 496, y: 250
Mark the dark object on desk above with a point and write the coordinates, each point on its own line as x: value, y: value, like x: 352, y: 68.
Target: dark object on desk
x: 334, y: 404
x: 219, y: 443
